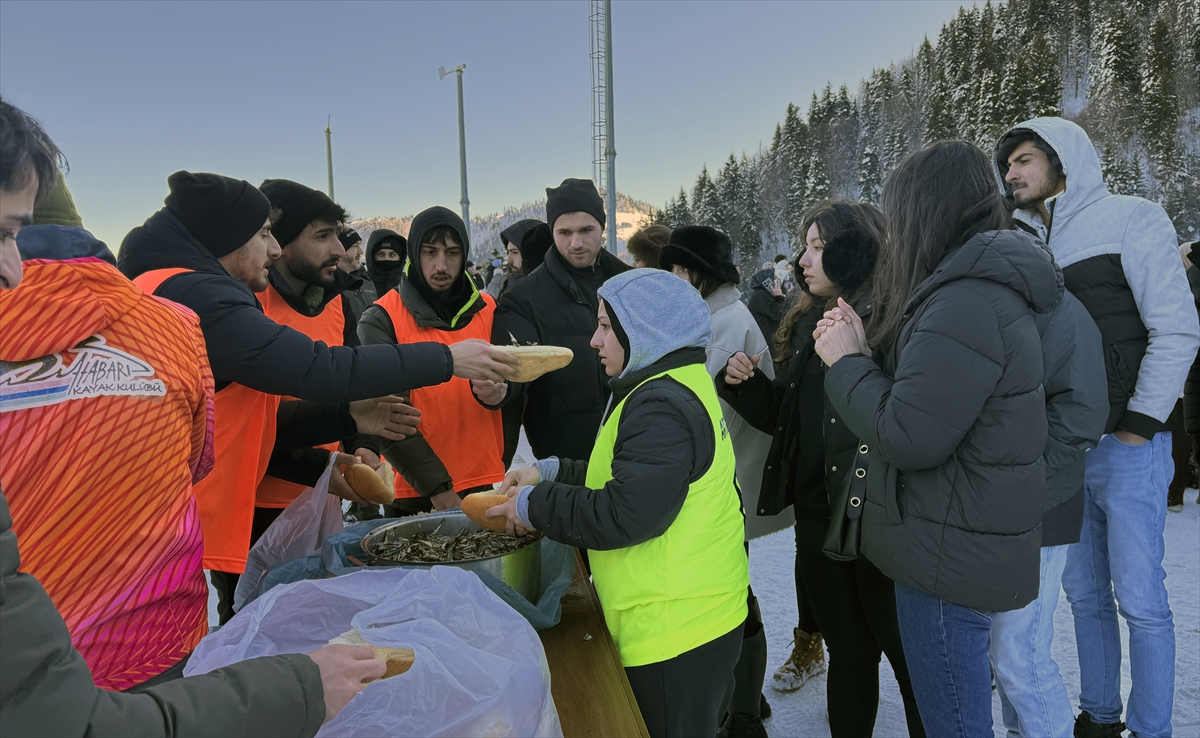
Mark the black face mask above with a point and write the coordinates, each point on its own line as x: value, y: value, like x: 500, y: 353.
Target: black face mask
x: 388, y: 266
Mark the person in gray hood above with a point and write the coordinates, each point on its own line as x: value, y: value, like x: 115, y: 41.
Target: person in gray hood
x: 1119, y: 257
x: 656, y: 505
x: 952, y: 414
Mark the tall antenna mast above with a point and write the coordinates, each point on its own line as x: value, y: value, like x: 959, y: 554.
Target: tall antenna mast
x: 329, y: 155
x: 604, y: 150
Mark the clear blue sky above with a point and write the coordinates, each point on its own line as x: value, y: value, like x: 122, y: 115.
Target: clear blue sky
x: 132, y: 91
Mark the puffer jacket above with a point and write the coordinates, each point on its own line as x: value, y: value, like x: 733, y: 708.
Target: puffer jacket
x: 47, y: 689
x: 955, y: 425
x: 1120, y: 257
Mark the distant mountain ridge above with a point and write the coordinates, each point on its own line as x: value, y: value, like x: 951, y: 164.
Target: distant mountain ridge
x: 485, y: 230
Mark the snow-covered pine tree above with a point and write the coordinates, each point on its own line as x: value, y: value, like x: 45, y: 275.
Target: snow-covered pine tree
x: 870, y: 180
x: 705, y: 207
x: 1160, y: 106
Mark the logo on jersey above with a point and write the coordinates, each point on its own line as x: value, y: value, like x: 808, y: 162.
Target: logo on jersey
x: 94, y: 369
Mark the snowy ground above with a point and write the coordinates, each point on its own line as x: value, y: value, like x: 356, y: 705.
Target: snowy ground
x: 802, y: 713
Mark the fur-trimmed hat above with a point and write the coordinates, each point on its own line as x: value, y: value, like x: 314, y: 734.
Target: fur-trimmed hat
x: 849, y: 258
x: 702, y: 249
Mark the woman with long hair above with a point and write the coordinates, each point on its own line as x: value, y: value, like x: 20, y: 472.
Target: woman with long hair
x: 812, y: 452
x: 944, y: 388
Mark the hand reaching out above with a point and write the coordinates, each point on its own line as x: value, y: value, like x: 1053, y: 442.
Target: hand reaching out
x: 387, y: 416
x: 489, y: 392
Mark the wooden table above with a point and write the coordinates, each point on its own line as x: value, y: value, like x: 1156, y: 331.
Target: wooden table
x: 590, y: 689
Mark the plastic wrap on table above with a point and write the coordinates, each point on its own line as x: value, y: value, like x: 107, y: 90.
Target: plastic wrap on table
x: 479, y: 670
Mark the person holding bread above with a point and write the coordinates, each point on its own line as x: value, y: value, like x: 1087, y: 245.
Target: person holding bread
x: 458, y: 447
x: 656, y: 504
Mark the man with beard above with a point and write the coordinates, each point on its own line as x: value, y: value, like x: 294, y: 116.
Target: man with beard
x: 556, y: 306
x: 361, y: 297
x: 1119, y: 258
x: 210, y: 249
x: 309, y: 292
x: 461, y: 440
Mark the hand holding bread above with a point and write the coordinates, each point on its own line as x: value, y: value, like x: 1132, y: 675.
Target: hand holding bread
x: 475, y: 506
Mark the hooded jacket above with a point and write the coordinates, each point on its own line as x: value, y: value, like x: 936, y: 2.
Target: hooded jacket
x: 766, y: 307
x: 106, y: 416
x: 247, y: 347
x: 955, y: 427
x: 664, y: 441
x: 555, y: 305
x: 413, y: 458
x: 384, y: 281
x: 46, y: 687
x: 1119, y: 256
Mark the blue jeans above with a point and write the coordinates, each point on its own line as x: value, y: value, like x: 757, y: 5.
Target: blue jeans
x: 1033, y: 698
x: 1121, y: 550
x: 946, y: 646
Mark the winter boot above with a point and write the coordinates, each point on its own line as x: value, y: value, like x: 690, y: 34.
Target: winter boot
x: 1086, y: 727
x: 807, y: 661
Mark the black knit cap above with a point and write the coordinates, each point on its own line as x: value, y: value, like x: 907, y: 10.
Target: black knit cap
x: 849, y: 258
x: 221, y: 213
x: 700, y: 249
x: 534, y: 245
x: 349, y: 237
x: 574, y: 196
x: 300, y: 205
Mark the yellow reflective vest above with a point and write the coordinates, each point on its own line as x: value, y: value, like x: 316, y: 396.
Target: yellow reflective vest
x: 687, y: 586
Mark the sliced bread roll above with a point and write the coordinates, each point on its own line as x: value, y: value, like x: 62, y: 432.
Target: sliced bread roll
x: 367, y: 484
x: 538, y: 360
x: 476, y: 505
x: 399, y: 660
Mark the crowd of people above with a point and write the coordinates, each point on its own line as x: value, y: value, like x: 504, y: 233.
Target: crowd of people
x: 961, y: 402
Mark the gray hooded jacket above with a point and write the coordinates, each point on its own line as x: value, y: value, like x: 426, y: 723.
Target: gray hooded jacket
x: 1119, y: 257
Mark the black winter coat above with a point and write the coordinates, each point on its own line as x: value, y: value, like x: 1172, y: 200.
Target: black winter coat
x: 1191, y: 388
x: 812, y: 450
x: 360, y: 298
x: 664, y: 443
x: 555, y: 305
x: 247, y: 347
x: 766, y: 308
x: 47, y: 689
x: 955, y: 425
x: 1076, y: 410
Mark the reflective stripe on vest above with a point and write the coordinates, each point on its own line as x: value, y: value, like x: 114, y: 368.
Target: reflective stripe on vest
x: 327, y: 326
x: 686, y: 587
x: 244, y: 436
x: 467, y: 437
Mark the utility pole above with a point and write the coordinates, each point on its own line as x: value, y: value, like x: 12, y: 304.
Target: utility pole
x: 610, y: 149
x: 462, y: 145
x: 329, y: 156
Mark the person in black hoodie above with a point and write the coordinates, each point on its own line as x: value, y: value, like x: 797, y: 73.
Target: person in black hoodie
x: 386, y: 252
x: 208, y: 250
x: 461, y: 440
x: 556, y: 306
x: 812, y: 453
x: 953, y: 418
x: 766, y: 301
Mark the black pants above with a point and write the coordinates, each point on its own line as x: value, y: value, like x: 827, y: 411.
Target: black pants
x: 686, y: 696
x: 855, y: 605
x: 226, y: 582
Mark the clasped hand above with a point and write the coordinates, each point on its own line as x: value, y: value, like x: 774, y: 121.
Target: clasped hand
x: 840, y: 333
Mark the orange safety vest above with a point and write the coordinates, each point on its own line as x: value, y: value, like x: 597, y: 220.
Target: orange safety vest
x: 466, y: 436
x: 244, y: 422
x: 326, y: 326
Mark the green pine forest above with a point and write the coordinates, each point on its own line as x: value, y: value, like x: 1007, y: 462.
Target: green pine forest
x: 1127, y: 71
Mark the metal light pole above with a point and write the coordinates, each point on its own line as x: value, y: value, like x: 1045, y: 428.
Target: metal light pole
x: 462, y: 144
x: 610, y: 149
x: 329, y: 156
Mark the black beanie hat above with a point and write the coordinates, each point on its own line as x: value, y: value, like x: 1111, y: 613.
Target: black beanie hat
x: 534, y: 245
x: 300, y: 205
x: 349, y: 237
x: 701, y: 249
x: 849, y: 258
x: 574, y: 196
x: 221, y: 213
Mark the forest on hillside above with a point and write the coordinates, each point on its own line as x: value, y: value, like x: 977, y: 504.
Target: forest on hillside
x: 1127, y: 71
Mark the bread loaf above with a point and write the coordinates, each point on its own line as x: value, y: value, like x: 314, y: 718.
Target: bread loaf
x: 476, y: 506
x: 367, y: 484
x: 399, y: 660
x: 537, y: 360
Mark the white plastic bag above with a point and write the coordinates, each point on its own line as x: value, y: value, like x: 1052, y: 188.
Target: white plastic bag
x: 296, y: 533
x: 479, y: 670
